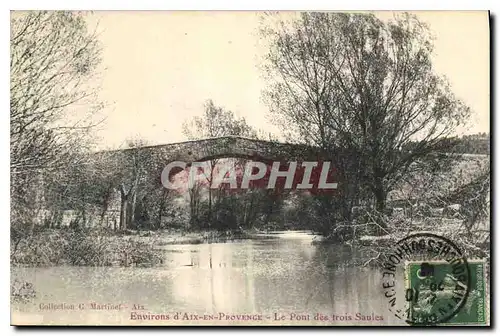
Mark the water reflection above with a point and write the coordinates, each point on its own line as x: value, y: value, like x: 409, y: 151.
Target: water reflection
x: 283, y: 274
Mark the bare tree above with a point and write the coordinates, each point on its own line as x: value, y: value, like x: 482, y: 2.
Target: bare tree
x: 357, y: 82
x: 215, y: 122
x: 53, y: 63
x: 133, y: 167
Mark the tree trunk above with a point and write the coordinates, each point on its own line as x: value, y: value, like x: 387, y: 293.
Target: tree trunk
x: 132, y: 210
x: 123, y: 214
x: 247, y: 214
x: 193, y: 208
x: 105, y: 207
x: 161, y: 209
x: 380, y: 193
x: 209, y: 219
x: 380, y: 202
x: 101, y: 218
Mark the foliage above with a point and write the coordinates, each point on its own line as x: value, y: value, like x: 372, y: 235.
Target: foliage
x: 53, y: 63
x: 361, y: 90
x: 53, y: 59
x: 22, y: 291
x: 216, y: 122
x: 222, y: 209
x: 368, y: 86
x: 84, y: 247
x: 474, y: 144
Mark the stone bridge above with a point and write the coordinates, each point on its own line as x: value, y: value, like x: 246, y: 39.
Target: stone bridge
x: 153, y: 159
x: 234, y: 146
x: 221, y: 147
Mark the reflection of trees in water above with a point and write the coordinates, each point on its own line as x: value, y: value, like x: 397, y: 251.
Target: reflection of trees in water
x: 322, y: 268
x: 226, y: 285
x: 338, y: 285
x: 260, y: 276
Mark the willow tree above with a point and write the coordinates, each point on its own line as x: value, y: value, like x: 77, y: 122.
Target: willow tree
x: 53, y: 98
x: 53, y: 62
x: 364, y: 84
x: 215, y: 122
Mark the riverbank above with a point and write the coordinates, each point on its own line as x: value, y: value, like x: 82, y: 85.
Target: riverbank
x: 252, y: 274
x: 177, y: 236
x: 371, y: 249
x: 94, y: 247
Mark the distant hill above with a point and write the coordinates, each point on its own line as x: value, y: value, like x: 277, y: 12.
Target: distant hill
x: 478, y: 144
x: 473, y: 144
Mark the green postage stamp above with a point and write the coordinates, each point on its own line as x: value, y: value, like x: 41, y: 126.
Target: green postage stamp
x: 432, y: 289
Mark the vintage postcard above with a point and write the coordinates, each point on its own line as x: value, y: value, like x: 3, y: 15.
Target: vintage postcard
x: 248, y: 168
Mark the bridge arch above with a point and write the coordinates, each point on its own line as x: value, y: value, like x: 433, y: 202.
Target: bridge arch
x: 235, y: 146
x: 240, y: 147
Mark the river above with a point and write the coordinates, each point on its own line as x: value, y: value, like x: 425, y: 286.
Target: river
x: 281, y: 276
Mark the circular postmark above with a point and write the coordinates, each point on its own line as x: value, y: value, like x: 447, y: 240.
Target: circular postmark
x: 436, y: 279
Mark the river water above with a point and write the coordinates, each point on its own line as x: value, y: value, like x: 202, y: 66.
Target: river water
x: 281, y: 277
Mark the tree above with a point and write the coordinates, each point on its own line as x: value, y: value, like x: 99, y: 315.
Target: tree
x: 134, y: 168
x: 355, y: 82
x: 215, y: 122
x: 54, y: 59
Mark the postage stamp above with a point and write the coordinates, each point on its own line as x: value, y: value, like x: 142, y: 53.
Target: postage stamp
x: 438, y: 281
x: 432, y: 288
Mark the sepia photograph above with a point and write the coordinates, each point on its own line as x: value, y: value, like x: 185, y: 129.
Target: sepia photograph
x: 250, y: 168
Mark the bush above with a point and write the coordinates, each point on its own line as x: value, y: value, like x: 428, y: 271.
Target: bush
x: 22, y: 291
x: 83, y: 247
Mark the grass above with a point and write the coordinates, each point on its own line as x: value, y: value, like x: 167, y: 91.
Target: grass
x: 83, y: 248
x: 93, y: 247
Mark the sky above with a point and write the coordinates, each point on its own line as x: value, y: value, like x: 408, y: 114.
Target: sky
x: 160, y: 67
